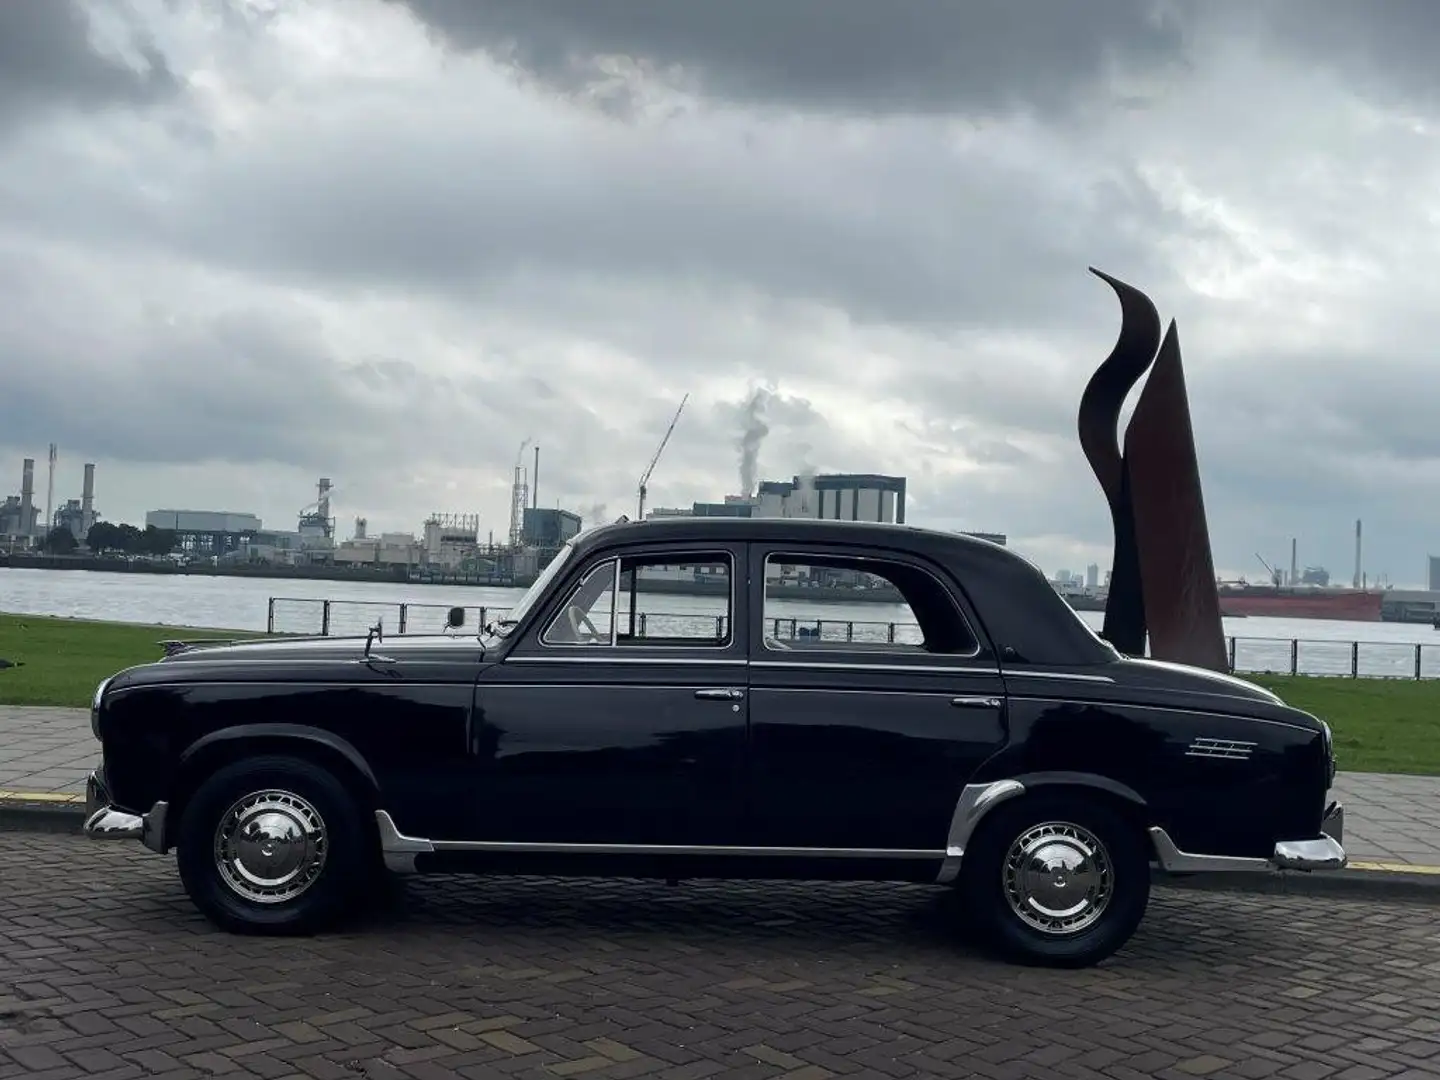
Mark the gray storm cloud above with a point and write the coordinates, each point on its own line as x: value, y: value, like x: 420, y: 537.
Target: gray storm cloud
x: 208, y: 236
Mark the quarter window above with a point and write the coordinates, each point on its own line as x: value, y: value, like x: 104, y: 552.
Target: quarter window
x: 653, y: 601
x: 829, y: 603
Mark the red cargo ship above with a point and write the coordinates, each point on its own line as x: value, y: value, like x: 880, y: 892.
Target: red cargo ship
x: 1351, y: 605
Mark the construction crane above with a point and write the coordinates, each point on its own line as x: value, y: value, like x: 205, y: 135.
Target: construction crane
x: 1276, y: 577
x: 645, y: 480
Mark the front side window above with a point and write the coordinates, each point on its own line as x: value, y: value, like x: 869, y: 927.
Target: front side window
x: 652, y: 601
x: 827, y: 603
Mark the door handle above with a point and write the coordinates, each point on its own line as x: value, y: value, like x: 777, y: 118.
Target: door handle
x: 976, y: 702
x: 720, y: 695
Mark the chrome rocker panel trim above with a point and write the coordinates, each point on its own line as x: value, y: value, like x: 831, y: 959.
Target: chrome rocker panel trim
x: 104, y: 822
x: 1326, y: 852
x: 399, y: 851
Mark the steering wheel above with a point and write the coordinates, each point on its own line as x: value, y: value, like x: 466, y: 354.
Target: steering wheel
x: 575, y: 616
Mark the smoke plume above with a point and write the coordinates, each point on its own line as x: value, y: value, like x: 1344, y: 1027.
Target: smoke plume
x: 752, y: 433
x: 595, y: 515
x: 805, y: 493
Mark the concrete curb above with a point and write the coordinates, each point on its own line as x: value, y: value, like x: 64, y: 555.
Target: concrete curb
x: 62, y: 813
x: 1359, y: 881
x: 42, y: 812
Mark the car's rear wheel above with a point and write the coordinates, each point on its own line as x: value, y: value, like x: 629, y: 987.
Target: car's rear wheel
x: 274, y: 845
x: 1057, y: 879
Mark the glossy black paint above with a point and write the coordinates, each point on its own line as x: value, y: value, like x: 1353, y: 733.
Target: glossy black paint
x: 507, y: 738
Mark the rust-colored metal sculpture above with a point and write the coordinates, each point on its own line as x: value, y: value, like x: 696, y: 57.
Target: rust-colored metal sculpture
x: 1162, y: 580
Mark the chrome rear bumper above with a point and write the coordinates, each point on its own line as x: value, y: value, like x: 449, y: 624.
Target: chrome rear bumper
x: 1325, y: 852
x: 104, y: 822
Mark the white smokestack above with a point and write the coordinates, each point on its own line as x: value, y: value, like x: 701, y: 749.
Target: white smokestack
x: 87, y: 498
x: 1356, y: 582
x: 27, y: 495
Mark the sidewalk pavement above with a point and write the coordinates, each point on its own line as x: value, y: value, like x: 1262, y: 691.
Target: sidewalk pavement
x: 1392, y: 823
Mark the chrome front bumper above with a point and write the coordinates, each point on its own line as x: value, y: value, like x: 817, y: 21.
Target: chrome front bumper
x: 1325, y: 852
x: 104, y: 822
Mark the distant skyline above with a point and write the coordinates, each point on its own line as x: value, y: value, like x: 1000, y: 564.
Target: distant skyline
x: 245, y: 244
x: 1340, y: 574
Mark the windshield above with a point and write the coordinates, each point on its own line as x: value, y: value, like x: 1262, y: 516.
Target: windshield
x: 506, y: 623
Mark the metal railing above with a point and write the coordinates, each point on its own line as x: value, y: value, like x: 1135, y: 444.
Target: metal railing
x: 1248, y: 655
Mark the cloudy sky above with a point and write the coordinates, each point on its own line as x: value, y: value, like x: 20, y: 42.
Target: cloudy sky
x: 248, y: 243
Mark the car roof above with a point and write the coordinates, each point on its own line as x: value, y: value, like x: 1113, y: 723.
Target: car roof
x: 797, y: 530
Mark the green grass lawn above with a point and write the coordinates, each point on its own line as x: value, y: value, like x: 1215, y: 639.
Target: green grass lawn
x: 1381, y: 725
x: 63, y: 660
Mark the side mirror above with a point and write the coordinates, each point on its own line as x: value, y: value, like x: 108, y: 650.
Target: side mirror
x: 455, y: 617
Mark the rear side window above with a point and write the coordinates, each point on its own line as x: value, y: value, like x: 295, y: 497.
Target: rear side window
x: 827, y: 603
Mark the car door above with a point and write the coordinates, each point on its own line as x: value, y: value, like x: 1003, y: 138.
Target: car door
x: 620, y: 717
x: 869, y: 711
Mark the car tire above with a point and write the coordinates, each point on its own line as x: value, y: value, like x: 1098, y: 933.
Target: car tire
x: 274, y: 845
x: 1072, y: 918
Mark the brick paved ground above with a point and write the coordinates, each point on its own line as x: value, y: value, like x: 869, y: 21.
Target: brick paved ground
x: 106, y: 971
x: 1388, y: 818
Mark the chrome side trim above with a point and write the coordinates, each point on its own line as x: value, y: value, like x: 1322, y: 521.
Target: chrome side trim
x: 1174, y: 861
x: 889, y: 669
x: 399, y: 850
x: 976, y: 800
x: 1068, y: 676
x: 1324, y: 852
x: 682, y: 661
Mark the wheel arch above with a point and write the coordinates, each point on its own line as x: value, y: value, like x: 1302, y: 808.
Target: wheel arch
x: 223, y: 747
x: 1122, y: 798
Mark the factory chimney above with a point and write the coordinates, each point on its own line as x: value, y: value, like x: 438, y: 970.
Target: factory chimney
x: 1294, y: 566
x: 87, y: 499
x: 50, y: 495
x: 1356, y: 583
x: 27, y: 496
x: 535, y: 481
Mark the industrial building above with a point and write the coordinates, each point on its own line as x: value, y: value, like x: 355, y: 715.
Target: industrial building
x: 837, y: 497
x: 548, y: 527
x: 207, y: 532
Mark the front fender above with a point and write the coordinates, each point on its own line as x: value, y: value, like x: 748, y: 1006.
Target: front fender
x: 301, y: 732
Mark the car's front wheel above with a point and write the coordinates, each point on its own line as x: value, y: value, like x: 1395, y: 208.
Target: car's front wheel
x: 273, y: 844
x: 1057, y: 879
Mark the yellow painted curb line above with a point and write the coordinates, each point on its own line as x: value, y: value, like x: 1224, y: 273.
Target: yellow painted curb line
x: 40, y: 796
x: 1394, y: 868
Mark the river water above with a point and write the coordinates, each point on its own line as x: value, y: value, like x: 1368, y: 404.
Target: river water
x: 244, y: 604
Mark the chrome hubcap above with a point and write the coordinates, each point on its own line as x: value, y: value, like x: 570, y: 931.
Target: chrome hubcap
x: 1058, y: 878
x: 270, y: 846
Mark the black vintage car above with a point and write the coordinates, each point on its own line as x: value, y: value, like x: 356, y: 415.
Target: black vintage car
x: 650, y: 709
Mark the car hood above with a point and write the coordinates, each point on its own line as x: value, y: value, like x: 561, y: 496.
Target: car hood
x: 284, y: 650
x: 328, y: 659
